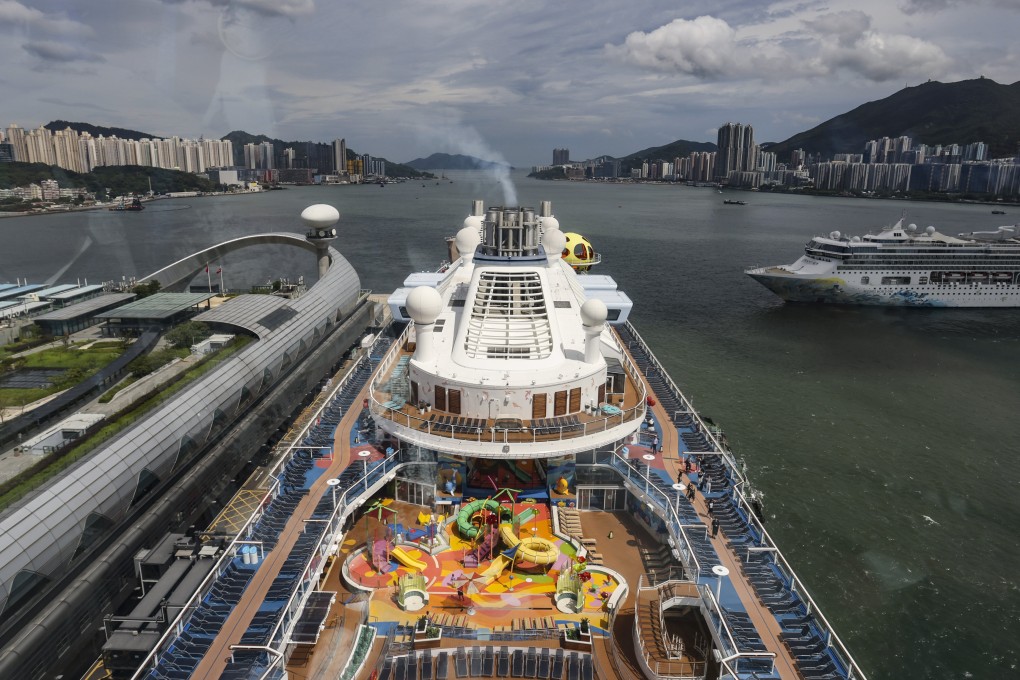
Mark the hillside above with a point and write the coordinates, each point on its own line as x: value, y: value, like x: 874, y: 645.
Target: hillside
x: 119, y: 179
x: 979, y: 110
x: 445, y: 161
x: 318, y: 155
x: 96, y: 130
x: 668, y: 152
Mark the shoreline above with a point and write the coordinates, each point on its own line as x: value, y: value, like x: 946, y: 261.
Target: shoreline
x: 1014, y: 202
x: 107, y: 206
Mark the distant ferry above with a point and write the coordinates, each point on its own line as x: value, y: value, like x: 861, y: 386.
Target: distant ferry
x: 901, y: 266
x: 134, y: 206
x: 732, y: 202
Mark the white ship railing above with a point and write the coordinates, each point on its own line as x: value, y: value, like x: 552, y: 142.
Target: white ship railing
x: 765, y: 542
x: 688, y: 409
x: 422, y: 424
x: 666, y: 511
x: 348, y: 501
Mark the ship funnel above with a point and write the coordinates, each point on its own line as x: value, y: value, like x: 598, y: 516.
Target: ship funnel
x: 510, y: 232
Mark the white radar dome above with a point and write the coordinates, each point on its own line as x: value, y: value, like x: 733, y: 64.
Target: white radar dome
x: 473, y: 222
x: 911, y: 227
x: 929, y: 230
x: 834, y: 235
x: 856, y: 239
x: 467, y: 238
x: 320, y: 216
x: 554, y: 242
x: 594, y: 312
x: 550, y: 223
x: 424, y: 304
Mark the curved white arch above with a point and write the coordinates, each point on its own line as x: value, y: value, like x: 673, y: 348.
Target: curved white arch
x: 176, y: 276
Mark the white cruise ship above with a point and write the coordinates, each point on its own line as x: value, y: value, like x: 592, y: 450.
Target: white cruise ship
x: 505, y: 482
x: 903, y: 266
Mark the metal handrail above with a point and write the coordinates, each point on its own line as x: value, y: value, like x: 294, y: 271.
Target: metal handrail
x: 664, y: 374
x: 676, y: 528
x: 499, y: 436
x: 853, y: 669
x: 177, y: 625
x: 797, y: 586
x: 688, y: 670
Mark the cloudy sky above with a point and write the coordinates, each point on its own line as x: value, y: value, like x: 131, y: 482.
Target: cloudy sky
x: 403, y: 79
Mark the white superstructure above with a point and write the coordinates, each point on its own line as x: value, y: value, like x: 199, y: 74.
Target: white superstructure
x: 902, y: 266
x: 508, y: 335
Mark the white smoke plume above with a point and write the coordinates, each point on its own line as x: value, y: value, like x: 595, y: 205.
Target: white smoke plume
x: 452, y: 135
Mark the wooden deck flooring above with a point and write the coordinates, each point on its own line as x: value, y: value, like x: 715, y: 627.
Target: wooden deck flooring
x: 764, y: 621
x: 216, y: 658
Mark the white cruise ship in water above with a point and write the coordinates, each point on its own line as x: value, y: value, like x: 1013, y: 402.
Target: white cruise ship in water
x: 903, y: 266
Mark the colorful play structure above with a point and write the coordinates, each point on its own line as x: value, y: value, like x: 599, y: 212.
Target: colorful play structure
x: 383, y: 551
x: 472, y: 511
x: 495, y: 556
x: 412, y: 592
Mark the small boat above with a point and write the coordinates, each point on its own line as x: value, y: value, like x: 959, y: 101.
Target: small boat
x: 732, y: 202
x: 998, y: 212
x: 134, y: 206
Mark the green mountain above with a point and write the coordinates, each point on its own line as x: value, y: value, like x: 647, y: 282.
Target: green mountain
x: 317, y: 155
x: 668, y: 152
x: 979, y: 110
x: 96, y: 130
x: 119, y: 179
x: 445, y: 161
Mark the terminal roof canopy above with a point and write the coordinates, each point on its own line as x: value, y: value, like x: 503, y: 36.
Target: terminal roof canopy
x: 85, y: 308
x: 158, y: 306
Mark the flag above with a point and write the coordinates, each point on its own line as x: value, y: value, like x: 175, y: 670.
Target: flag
x: 207, y: 269
x: 219, y: 270
x: 511, y: 552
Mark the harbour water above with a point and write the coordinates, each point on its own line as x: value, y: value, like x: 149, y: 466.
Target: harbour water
x: 885, y: 440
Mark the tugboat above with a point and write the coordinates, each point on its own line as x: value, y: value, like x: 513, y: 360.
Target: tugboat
x: 134, y: 206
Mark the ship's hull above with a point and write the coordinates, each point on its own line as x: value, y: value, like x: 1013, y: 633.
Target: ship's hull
x: 832, y: 288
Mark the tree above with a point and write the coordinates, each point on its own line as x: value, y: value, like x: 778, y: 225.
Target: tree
x: 187, y: 334
x: 147, y: 289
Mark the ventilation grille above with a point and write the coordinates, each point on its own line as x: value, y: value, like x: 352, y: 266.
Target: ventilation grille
x: 509, y: 318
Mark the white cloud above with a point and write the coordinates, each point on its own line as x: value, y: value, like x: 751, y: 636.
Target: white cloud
x: 704, y: 47
x: 933, y: 6
x: 710, y: 49
x: 880, y: 57
x: 847, y: 27
x: 14, y: 14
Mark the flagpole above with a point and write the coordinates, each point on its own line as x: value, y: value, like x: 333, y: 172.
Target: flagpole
x: 219, y: 270
x: 208, y: 276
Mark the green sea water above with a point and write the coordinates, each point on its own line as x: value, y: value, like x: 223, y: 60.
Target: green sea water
x: 885, y: 440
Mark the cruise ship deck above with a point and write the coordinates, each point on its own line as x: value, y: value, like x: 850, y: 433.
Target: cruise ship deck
x: 398, y: 540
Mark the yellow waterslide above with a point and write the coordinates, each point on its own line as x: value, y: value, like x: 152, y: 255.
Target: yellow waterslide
x: 535, y: 550
x: 400, y: 556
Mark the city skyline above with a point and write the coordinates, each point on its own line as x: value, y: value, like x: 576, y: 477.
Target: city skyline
x: 500, y: 83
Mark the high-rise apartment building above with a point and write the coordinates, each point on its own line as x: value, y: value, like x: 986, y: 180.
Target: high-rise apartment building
x: 340, y: 156
x: 16, y: 138
x: 737, y: 150
x: 561, y: 156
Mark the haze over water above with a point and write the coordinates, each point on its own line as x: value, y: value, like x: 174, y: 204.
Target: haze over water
x: 885, y: 440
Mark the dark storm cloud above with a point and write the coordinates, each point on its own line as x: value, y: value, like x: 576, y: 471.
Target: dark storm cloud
x: 61, y: 52
x: 270, y: 8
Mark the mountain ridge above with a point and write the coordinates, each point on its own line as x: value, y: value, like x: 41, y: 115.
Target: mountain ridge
x: 445, y: 161
x: 966, y: 111
x: 96, y: 130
